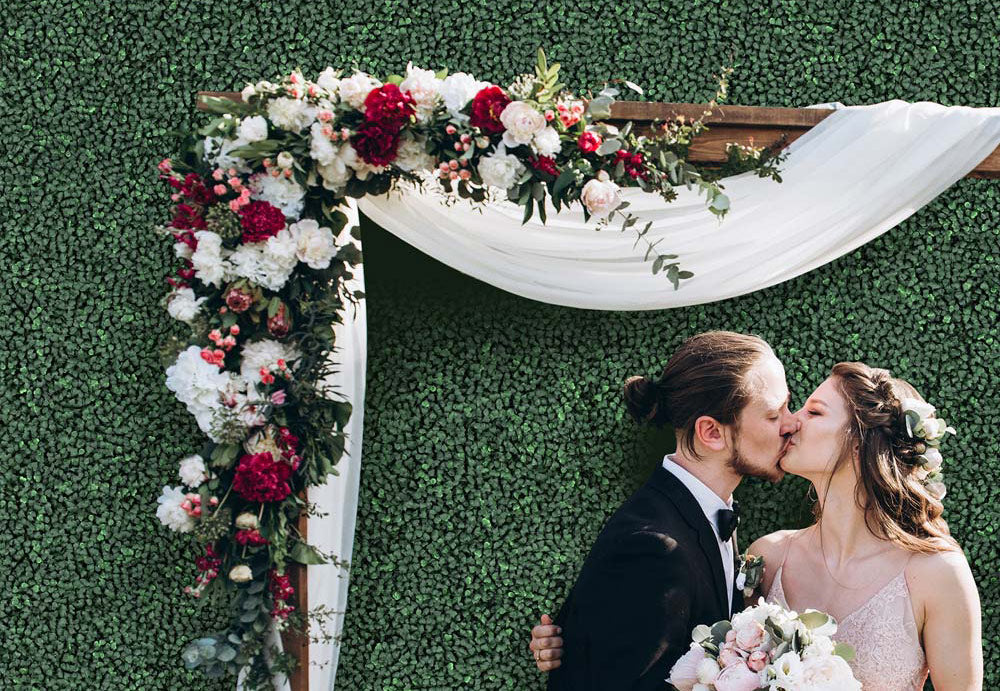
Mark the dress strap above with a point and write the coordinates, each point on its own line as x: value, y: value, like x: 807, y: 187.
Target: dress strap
x: 788, y: 545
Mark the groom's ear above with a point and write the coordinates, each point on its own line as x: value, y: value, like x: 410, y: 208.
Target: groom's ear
x: 711, y: 433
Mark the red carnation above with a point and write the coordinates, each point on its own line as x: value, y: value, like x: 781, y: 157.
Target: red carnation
x: 250, y: 537
x: 389, y: 106
x: 376, y: 144
x: 486, y: 108
x: 188, y: 218
x: 589, y: 142
x: 260, y: 221
x: 261, y: 478
x: 544, y: 164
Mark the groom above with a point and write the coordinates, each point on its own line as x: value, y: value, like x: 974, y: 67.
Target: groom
x: 664, y: 562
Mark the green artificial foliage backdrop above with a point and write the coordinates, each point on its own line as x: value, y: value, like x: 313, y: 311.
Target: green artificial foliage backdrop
x: 495, y: 438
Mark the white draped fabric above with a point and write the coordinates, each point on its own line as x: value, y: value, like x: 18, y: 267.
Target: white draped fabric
x: 860, y: 172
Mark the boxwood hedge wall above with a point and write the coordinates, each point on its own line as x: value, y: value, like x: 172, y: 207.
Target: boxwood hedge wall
x: 495, y: 440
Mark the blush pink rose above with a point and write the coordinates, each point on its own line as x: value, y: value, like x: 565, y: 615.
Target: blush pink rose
x: 737, y: 678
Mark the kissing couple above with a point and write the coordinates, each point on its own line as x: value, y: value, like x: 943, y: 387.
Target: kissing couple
x: 878, y: 558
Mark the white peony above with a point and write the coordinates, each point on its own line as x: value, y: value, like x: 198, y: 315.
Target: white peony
x: 819, y: 647
x: 329, y: 81
x: 458, y: 89
x: 601, y: 195
x: 217, y: 153
x: 198, y: 385
x: 253, y: 129
x: 424, y: 87
x: 183, y: 306
x: 314, y: 245
x: 412, y: 155
x: 193, y: 471
x: 708, y: 670
x: 828, y: 673
x: 932, y: 459
x: 291, y: 114
x: 521, y: 122
x: 321, y: 149
x: 547, y: 142
x: 265, y: 353
x: 208, y: 260
x: 501, y: 169
x: 355, y: 89
x: 282, y: 192
x: 248, y: 91
x: 170, y: 512
x: 684, y: 673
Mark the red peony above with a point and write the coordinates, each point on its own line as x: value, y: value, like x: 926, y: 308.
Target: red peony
x: 376, y: 144
x: 486, y: 108
x: 544, y: 164
x: 389, y: 106
x: 260, y: 221
x: 589, y: 142
x: 261, y: 478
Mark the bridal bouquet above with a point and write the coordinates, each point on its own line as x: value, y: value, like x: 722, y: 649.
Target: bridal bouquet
x: 766, y: 647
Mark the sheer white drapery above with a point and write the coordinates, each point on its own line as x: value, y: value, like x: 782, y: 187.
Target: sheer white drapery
x: 858, y: 173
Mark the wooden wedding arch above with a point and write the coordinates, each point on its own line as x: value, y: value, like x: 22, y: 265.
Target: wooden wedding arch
x: 757, y: 125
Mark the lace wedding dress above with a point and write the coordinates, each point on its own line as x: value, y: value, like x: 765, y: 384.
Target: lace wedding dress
x: 888, y: 654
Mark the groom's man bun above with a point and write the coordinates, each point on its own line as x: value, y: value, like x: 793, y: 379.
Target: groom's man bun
x: 707, y: 375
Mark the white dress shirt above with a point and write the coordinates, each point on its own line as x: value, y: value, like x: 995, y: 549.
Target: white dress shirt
x: 710, y: 503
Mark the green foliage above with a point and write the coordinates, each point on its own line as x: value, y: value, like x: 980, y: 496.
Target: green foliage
x: 495, y: 440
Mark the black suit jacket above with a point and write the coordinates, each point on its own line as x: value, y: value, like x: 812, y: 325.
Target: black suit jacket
x: 654, y: 573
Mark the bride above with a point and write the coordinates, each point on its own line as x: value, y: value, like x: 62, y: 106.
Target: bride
x: 879, y: 557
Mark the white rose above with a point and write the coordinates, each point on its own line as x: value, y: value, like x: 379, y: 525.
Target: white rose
x: 601, y: 195
x: 932, y: 459
x: 285, y: 160
x: 522, y: 123
x: 684, y: 673
x: 183, y: 305
x: 170, y: 512
x: 458, y: 89
x: 937, y: 490
x: 240, y: 574
x: 412, y: 155
x: 355, y: 89
x: 192, y: 471
x: 424, y: 87
x: 500, y: 169
x: 291, y: 114
x: 329, y: 81
x: 314, y: 245
x: 921, y: 408
x: 246, y: 521
x: 828, y: 673
x: 253, y: 129
x: 787, y: 671
x: 547, y: 142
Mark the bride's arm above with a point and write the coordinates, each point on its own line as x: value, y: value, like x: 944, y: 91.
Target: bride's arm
x: 952, y: 631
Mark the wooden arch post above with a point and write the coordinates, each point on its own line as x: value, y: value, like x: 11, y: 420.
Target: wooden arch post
x: 760, y: 126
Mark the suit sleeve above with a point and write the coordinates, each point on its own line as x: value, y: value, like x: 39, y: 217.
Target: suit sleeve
x: 634, y: 610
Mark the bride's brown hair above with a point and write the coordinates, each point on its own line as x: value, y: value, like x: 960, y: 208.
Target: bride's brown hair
x: 897, y: 506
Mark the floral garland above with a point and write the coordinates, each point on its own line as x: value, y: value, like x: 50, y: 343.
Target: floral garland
x: 262, y: 280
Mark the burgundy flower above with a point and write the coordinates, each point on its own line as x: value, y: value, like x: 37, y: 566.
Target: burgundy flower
x: 280, y: 324
x: 261, y: 220
x: 589, y: 142
x: 486, y: 108
x: 635, y: 165
x: 250, y: 537
x: 376, y: 144
x: 187, y: 217
x: 261, y: 478
x: 238, y: 300
x: 544, y: 164
x: 389, y: 107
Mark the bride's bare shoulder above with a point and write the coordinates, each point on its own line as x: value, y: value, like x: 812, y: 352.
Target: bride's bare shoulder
x: 772, y: 546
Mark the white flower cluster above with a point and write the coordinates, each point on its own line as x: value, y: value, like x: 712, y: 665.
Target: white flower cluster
x: 169, y: 510
x: 183, y: 305
x: 264, y: 353
x: 922, y: 423
x: 199, y: 385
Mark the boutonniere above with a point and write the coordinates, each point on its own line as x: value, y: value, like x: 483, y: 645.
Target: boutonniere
x: 750, y: 573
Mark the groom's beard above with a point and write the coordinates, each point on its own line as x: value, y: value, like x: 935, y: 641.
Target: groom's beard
x: 740, y: 465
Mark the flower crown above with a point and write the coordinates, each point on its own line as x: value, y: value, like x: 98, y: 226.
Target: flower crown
x: 921, y: 423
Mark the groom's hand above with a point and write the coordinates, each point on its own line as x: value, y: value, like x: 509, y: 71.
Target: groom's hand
x: 546, y: 645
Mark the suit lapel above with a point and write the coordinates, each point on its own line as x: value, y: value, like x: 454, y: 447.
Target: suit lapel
x: 691, y: 511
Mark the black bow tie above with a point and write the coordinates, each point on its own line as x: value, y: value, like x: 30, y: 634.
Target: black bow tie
x: 727, y: 520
